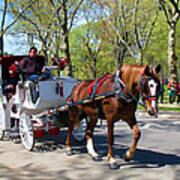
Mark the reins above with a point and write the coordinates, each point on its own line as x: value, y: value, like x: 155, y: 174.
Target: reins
x: 133, y: 97
x: 119, y: 92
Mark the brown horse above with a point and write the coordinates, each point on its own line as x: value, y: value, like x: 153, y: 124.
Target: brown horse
x: 128, y: 84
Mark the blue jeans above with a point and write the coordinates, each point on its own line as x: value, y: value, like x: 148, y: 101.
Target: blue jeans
x: 43, y: 75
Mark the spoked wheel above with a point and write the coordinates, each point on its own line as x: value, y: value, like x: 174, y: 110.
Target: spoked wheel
x: 79, y: 133
x: 26, y: 132
x: 1, y: 134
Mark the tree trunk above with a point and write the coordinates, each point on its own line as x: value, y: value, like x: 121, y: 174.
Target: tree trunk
x: 67, y: 54
x: 140, y: 57
x: 119, y: 58
x: 171, y: 52
x: 1, y: 45
x: 66, y: 39
x: 94, y: 68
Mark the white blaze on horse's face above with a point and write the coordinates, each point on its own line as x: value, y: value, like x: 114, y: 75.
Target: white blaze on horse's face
x: 153, y: 89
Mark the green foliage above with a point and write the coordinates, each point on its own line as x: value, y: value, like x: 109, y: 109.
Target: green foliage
x: 156, y: 52
x: 81, y: 59
x: 40, y: 22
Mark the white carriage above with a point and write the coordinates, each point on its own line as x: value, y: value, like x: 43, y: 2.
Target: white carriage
x: 36, y: 105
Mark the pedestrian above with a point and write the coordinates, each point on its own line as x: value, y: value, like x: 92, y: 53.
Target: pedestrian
x: 172, y: 90
x: 178, y: 93
x: 161, y: 92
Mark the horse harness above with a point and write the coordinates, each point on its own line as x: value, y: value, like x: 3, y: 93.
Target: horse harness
x: 118, y: 91
x: 119, y: 85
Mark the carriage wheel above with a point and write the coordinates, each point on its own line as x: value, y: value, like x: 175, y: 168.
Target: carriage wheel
x: 79, y: 133
x: 26, y: 131
x: 1, y: 134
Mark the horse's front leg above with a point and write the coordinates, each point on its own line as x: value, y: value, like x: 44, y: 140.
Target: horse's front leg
x: 130, y: 153
x: 89, y: 138
x: 111, y: 160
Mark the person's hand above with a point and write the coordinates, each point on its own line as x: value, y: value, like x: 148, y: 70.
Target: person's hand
x: 43, y: 69
x: 10, y: 86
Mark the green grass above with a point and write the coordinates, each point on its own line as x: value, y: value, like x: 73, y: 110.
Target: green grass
x: 170, y: 109
x: 176, y: 109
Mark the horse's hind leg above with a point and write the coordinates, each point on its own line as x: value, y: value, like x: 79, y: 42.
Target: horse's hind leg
x: 68, y: 139
x: 111, y: 160
x: 71, y: 122
x: 89, y: 138
x: 130, y: 153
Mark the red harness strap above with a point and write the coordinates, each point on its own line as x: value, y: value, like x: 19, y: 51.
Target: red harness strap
x: 99, y: 84
x: 152, y: 98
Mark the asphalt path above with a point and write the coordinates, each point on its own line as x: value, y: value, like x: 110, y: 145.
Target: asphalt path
x: 157, y: 155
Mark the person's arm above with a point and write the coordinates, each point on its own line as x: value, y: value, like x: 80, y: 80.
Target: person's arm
x: 22, y: 65
x: 40, y: 66
x: 6, y: 85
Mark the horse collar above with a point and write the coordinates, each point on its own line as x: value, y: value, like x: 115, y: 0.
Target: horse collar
x: 118, y: 87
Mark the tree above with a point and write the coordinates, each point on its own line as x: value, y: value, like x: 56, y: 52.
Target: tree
x: 66, y: 12
x: 4, y: 29
x: 171, y: 10
x: 129, y: 25
x: 50, y: 22
x: 143, y: 29
x: 37, y: 23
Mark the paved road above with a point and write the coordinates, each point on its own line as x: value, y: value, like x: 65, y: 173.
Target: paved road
x: 157, y: 155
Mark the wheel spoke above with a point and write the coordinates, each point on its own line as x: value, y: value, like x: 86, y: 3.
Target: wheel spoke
x: 26, y: 132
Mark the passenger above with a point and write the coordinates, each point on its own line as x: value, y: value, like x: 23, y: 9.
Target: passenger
x: 9, y: 87
x: 10, y: 81
x: 32, y: 68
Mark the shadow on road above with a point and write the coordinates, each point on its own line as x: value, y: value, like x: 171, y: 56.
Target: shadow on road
x: 150, y: 159
x: 143, y: 157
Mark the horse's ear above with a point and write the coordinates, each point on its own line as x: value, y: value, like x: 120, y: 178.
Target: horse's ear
x: 157, y: 68
x: 146, y: 70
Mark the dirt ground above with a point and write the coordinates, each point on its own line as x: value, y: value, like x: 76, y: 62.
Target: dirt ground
x: 157, y: 155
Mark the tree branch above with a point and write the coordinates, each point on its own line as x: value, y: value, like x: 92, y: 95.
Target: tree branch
x: 20, y: 14
x: 150, y: 30
x: 162, y: 3
x: 74, y: 13
x: 135, y: 24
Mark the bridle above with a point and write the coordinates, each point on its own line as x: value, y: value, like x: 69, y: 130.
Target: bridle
x: 129, y: 98
x: 142, y: 86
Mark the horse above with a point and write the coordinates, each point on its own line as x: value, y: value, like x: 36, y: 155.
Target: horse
x: 127, y: 84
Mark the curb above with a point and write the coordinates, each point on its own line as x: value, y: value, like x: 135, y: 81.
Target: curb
x: 161, y: 114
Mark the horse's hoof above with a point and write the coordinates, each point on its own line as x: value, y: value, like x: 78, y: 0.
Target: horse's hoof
x: 126, y: 158
x: 69, y: 152
x: 97, y: 158
x: 113, y: 166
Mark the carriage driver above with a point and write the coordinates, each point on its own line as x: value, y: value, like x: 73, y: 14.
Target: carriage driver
x: 33, y: 69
